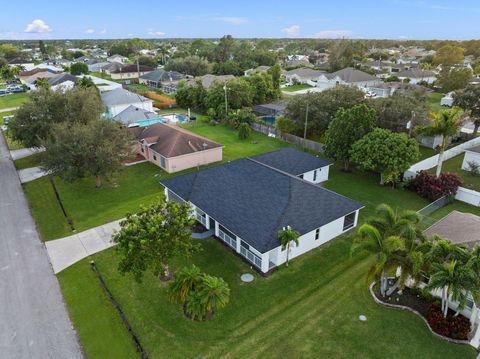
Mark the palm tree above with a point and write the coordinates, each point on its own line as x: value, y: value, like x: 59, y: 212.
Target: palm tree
x: 389, y: 222
x: 212, y: 294
x: 457, y: 281
x: 184, y: 282
x: 445, y: 123
x: 442, y: 250
x: 384, y: 248
x: 288, y: 237
x: 42, y: 82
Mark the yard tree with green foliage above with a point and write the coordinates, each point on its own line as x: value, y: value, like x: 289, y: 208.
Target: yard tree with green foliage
x: 35, y: 118
x: 244, y: 131
x: 446, y: 123
x: 348, y: 126
x: 454, y: 78
x: 469, y: 100
x: 383, y: 247
x: 150, y: 238
x: 8, y: 73
x: 184, y: 282
x: 190, y: 65
x: 396, y: 111
x: 85, y: 82
x: 449, y: 55
x: 288, y: 238
x: 385, y: 152
x: 276, y: 73
x: 285, y: 125
x: 76, y: 150
x: 322, y: 106
x: 212, y: 294
x: 147, y: 61
x: 78, y: 68
x: 43, y: 83
x: 238, y: 117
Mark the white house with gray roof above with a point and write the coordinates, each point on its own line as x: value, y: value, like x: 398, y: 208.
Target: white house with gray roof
x: 119, y: 99
x: 347, y: 76
x: 415, y: 76
x: 245, y: 203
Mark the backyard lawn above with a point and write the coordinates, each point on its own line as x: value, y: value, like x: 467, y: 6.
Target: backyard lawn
x: 294, y: 88
x: 13, y: 100
x: 455, y: 165
x: 308, y: 310
x: 434, y: 102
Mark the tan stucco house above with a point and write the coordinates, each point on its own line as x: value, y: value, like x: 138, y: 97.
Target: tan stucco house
x: 173, y: 148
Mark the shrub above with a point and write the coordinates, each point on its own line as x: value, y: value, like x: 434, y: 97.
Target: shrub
x: 244, y: 131
x: 429, y: 186
x: 453, y: 327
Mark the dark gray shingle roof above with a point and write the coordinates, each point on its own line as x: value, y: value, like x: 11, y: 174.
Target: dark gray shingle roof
x: 160, y: 75
x: 255, y: 201
x: 291, y: 160
x: 61, y: 78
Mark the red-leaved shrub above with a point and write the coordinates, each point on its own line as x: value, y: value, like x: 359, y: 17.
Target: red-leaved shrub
x: 427, y: 185
x: 453, y: 327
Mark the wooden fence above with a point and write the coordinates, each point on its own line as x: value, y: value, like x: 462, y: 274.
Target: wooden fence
x: 295, y: 140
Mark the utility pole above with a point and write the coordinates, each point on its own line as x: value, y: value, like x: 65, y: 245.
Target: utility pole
x: 306, y: 122
x: 226, y: 102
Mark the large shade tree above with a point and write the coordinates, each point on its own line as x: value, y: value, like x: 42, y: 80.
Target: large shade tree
x: 469, y: 100
x: 446, y: 124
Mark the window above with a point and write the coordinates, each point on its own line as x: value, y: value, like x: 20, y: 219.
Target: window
x: 349, y: 221
x: 201, y: 216
x: 227, y: 236
x: 317, y: 234
x: 162, y: 161
x: 314, y: 175
x: 154, y: 157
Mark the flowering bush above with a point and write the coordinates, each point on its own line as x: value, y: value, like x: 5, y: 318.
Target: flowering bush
x: 429, y: 186
x: 453, y: 327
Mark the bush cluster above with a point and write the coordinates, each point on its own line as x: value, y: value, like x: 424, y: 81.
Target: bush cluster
x: 453, y: 327
x: 429, y: 186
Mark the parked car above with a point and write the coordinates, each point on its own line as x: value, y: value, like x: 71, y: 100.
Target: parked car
x: 15, y: 88
x: 4, y: 92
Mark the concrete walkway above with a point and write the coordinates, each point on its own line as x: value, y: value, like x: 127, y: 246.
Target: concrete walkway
x: 33, y: 318
x: 24, y: 152
x: 30, y: 174
x: 66, y: 251
x: 8, y: 109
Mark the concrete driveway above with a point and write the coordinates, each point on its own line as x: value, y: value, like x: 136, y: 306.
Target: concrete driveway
x: 66, y: 251
x: 33, y: 318
x: 25, y: 152
x: 30, y: 174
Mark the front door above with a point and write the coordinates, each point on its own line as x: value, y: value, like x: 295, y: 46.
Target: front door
x: 212, y: 223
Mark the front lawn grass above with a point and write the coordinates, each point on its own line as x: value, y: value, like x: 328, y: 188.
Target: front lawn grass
x: 13, y: 100
x: 308, y: 310
x: 33, y: 160
x: 426, y: 152
x: 434, y: 101
x: 298, y: 87
x: 11, y: 143
x: 455, y: 165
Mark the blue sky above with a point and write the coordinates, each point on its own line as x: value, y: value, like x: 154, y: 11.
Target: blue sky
x: 393, y: 19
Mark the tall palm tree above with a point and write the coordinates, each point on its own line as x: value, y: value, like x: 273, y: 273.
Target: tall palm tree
x: 442, y: 250
x: 288, y: 237
x: 390, y: 222
x: 456, y: 280
x: 384, y: 248
x: 184, y: 282
x: 445, y: 123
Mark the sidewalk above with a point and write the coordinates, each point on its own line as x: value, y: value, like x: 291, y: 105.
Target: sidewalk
x: 30, y: 174
x: 66, y: 251
x: 24, y: 152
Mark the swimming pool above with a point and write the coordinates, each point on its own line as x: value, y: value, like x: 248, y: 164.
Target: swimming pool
x: 175, y: 118
x: 171, y: 118
x: 144, y: 123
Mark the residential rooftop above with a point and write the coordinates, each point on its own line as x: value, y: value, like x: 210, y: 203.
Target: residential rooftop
x: 120, y: 97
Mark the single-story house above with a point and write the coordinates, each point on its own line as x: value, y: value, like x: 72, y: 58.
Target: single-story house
x: 387, y: 89
x: 27, y: 65
x: 111, y: 67
x: 133, y: 115
x: 415, y: 76
x: 62, y: 82
x: 103, y: 85
x: 208, y: 81
x: 271, y: 110
x: 119, y: 99
x: 471, y: 155
x: 173, y: 148
x: 247, y: 202
x: 97, y: 67
x: 117, y: 58
x: 161, y: 79
x: 30, y: 80
x: 303, y: 75
x: 298, y: 163
x: 26, y: 74
x: 297, y: 62
x: 347, y: 76
x: 130, y: 72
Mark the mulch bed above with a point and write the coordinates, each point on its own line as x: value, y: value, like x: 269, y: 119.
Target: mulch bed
x: 409, y: 298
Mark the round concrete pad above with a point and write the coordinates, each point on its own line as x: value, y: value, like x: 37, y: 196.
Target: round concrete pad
x: 362, y: 318
x: 247, y: 277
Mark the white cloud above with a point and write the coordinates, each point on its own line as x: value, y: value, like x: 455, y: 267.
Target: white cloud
x: 89, y: 31
x: 104, y: 31
x: 332, y: 34
x: 37, y: 26
x: 293, y: 30
x: 156, y: 33
x: 232, y: 20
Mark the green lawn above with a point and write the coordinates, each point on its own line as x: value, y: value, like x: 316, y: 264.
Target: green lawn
x: 101, y: 75
x: 434, y: 102
x: 13, y: 100
x: 308, y: 310
x: 294, y: 88
x: 12, y: 145
x: 426, y: 152
x: 4, y: 114
x: 183, y: 111
x: 455, y: 165
x: 29, y: 161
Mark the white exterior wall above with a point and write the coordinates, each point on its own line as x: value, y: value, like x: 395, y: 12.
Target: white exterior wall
x: 307, y: 241
x: 470, y: 156
x: 468, y: 196
x: 322, y: 175
x: 416, y: 80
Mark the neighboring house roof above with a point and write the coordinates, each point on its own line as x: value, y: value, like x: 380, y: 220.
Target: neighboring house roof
x: 160, y: 75
x: 457, y: 227
x: 415, y: 73
x: 121, y: 97
x: 351, y: 75
x: 31, y: 72
x: 61, y: 78
x: 39, y: 75
x: 304, y: 72
x: 297, y: 62
x: 134, y: 114
x: 112, y: 66
x: 261, y: 68
x: 132, y: 68
x: 291, y: 160
x: 92, y: 61
x: 255, y: 201
x: 272, y: 109
x: 208, y: 80
x: 171, y: 141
